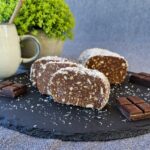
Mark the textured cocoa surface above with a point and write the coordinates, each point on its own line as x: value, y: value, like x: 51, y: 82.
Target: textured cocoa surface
x: 78, y: 89
x: 44, y: 80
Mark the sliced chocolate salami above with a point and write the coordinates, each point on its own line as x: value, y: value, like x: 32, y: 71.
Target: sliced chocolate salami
x: 49, y: 69
x: 79, y: 86
x: 111, y: 64
x: 39, y: 65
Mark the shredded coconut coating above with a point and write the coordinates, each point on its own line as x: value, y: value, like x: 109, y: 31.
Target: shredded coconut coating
x: 52, y: 58
x: 87, y: 54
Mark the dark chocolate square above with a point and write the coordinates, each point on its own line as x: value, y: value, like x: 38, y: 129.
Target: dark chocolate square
x: 10, y: 89
x: 136, y: 100
x: 145, y: 107
x: 4, y: 84
x: 123, y: 101
x: 132, y: 109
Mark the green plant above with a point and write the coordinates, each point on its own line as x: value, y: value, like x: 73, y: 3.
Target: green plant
x: 53, y: 17
x: 6, y: 9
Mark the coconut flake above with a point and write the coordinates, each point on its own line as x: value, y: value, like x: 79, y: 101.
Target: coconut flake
x: 87, y: 54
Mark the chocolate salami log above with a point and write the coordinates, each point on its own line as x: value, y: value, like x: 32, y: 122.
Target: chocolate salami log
x: 39, y: 65
x: 111, y: 64
x: 79, y: 86
x: 49, y: 69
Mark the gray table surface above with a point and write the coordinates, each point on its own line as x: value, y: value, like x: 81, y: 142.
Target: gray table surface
x: 122, y: 26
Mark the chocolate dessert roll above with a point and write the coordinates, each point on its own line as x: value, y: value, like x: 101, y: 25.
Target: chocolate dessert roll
x: 111, y: 64
x: 49, y: 69
x: 79, y: 86
x: 39, y: 65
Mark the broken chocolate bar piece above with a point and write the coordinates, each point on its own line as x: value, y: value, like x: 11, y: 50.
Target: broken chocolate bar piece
x: 134, y: 108
x: 12, y: 90
x: 141, y: 79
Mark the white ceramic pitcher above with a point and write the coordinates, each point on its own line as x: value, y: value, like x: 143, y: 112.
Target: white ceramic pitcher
x: 10, y: 51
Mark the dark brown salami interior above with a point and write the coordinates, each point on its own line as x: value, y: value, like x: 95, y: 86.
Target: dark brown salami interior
x: 78, y: 89
x: 114, y: 68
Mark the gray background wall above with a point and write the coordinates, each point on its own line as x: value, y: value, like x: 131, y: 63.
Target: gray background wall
x: 122, y: 26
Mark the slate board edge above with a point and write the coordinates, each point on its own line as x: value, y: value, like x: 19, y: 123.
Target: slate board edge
x: 77, y: 137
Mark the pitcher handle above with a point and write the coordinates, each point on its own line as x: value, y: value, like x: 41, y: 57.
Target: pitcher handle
x: 38, y: 47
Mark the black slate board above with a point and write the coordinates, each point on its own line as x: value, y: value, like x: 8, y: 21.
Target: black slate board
x: 37, y: 115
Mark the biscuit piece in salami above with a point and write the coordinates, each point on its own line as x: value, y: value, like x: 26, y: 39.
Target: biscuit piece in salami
x: 49, y: 69
x: 111, y: 64
x: 79, y: 86
x: 39, y: 65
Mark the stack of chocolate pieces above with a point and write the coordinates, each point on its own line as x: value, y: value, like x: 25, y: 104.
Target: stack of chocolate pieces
x: 11, y: 89
x: 141, y: 79
x: 134, y: 108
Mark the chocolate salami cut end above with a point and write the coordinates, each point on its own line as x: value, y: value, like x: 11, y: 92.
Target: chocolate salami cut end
x: 50, y: 69
x: 141, y: 79
x: 39, y: 65
x: 79, y: 86
x: 134, y: 108
x: 12, y: 90
x: 111, y: 64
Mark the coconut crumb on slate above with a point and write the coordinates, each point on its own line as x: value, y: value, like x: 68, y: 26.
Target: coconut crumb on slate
x: 44, y: 104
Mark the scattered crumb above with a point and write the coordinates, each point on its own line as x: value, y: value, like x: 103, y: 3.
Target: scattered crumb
x: 59, y: 114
